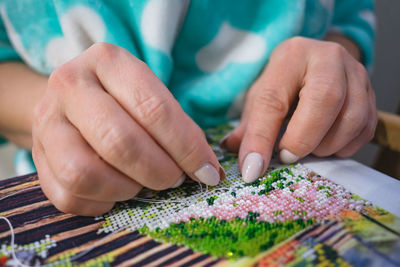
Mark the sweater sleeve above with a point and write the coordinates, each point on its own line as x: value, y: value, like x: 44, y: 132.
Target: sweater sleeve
x: 356, y: 20
x: 7, y: 51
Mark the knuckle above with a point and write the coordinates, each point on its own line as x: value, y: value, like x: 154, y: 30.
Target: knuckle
x: 63, y: 77
x: 335, y: 50
x: 294, y: 44
x: 297, y: 41
x: 357, y: 119
x: 105, y: 52
x: 74, y: 175
x: 272, y: 101
x: 115, y: 141
x: 151, y: 109
x: 327, y: 92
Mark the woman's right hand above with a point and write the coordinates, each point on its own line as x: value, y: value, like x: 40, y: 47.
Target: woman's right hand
x: 107, y: 126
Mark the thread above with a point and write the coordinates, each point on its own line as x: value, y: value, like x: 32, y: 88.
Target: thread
x: 12, y: 242
x: 20, y: 191
x: 74, y: 258
x: 81, y: 254
x: 12, y: 234
x: 183, y: 201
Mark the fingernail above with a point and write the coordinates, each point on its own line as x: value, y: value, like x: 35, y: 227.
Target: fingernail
x: 222, y: 173
x: 180, y: 181
x: 252, y: 167
x: 222, y: 143
x: 287, y: 157
x: 207, y: 174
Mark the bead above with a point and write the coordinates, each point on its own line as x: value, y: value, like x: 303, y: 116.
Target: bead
x: 214, y: 220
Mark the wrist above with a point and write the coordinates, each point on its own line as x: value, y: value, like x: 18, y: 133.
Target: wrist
x: 20, y: 91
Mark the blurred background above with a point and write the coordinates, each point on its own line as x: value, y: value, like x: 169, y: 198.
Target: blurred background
x: 385, y: 80
x: 386, y: 75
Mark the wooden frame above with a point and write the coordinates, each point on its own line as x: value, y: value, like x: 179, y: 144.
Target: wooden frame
x: 387, y: 132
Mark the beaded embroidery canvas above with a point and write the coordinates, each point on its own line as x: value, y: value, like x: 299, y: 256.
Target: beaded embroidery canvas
x: 291, y: 216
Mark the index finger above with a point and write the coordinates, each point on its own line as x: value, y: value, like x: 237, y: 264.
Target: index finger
x: 149, y: 102
x: 320, y: 101
x: 270, y: 99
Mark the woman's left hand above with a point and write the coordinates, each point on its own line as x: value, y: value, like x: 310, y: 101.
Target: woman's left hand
x: 335, y: 112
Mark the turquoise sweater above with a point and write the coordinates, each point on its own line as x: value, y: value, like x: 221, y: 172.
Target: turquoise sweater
x: 207, y: 52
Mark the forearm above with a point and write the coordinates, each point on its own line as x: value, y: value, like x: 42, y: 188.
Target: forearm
x: 20, y: 90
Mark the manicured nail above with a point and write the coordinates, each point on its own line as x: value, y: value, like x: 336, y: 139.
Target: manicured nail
x: 252, y: 167
x: 180, y: 181
x: 207, y: 174
x: 222, y: 143
x: 287, y: 157
x: 222, y: 173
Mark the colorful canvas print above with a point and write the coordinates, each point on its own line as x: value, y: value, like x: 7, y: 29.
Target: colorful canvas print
x: 291, y: 216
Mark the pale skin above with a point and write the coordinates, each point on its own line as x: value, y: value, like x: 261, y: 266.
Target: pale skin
x: 102, y: 126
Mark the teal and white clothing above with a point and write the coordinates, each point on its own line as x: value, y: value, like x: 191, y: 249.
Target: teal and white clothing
x: 207, y: 52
